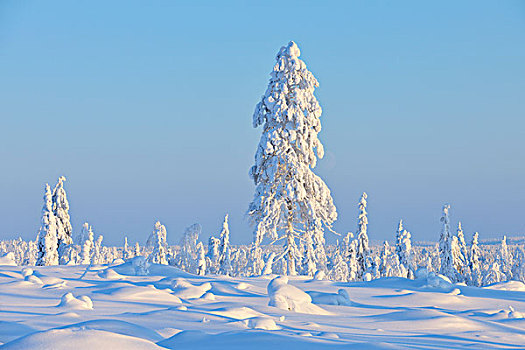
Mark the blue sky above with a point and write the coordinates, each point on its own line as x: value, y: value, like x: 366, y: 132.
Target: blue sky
x: 146, y: 108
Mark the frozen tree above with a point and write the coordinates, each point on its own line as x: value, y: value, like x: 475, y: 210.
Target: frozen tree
x: 309, y: 266
x: 160, y: 245
x: 383, y: 265
x: 188, y: 254
x: 126, y: 252
x: 457, y: 260
x: 474, y: 263
x: 97, y: 252
x: 362, y: 237
x: 213, y: 254
x: 226, y: 265
x: 268, y: 265
x: 339, y: 268
x: 47, y: 236
x: 289, y: 198
x: 256, y: 261
x: 352, y: 261
x: 87, y: 245
x: 137, y: 249
x: 505, y: 259
x: 462, y: 245
x: 201, y: 260
x: 224, y: 238
x: 404, y: 247
x: 64, y: 228
x: 493, y: 274
x: 445, y: 247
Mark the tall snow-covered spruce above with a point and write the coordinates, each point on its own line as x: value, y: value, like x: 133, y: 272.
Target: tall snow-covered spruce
x: 290, y: 200
x: 47, y: 236
x: 64, y: 228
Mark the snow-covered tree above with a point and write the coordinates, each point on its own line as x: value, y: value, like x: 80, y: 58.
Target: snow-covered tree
x: 268, y: 265
x: 88, y: 244
x: 505, y: 259
x: 383, y: 265
x: 445, y: 247
x: 160, y: 245
x: 226, y: 265
x: 352, y: 261
x: 224, y: 238
x: 493, y: 274
x: 201, y: 260
x: 309, y: 266
x: 256, y: 260
x: 137, y: 249
x: 474, y: 263
x: 339, y: 268
x: 188, y: 255
x: 462, y: 245
x: 362, y: 236
x: 289, y: 198
x: 97, y: 252
x: 404, y: 247
x: 126, y: 252
x: 47, y: 236
x: 213, y: 254
x: 64, y: 228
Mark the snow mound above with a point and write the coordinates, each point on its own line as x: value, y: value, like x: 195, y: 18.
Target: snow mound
x: 515, y: 314
x: 264, y: 322
x: 33, y: 279
x: 339, y: 298
x: 83, y: 302
x: 58, y: 285
x: 185, y: 290
x: 110, y: 274
x: 142, y: 293
x: 208, y: 296
x: 517, y: 286
x: 27, y: 271
x: 119, y: 327
x: 8, y: 259
x: 79, y: 339
x: 243, y: 286
x: 436, y: 280
x: 287, y: 297
x: 238, y: 313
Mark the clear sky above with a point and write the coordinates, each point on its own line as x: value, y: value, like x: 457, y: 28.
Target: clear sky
x: 146, y: 108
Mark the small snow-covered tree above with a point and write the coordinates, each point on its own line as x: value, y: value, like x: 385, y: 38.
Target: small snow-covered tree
x: 160, y: 244
x: 462, y: 245
x: 362, y: 237
x: 137, y: 249
x: 309, y: 266
x: 493, y: 274
x: 383, y: 265
x: 201, y: 260
x: 226, y: 265
x: 188, y: 254
x: 404, y: 247
x: 64, y: 228
x: 505, y: 259
x: 98, y: 257
x: 268, y: 265
x: 47, y: 236
x: 474, y: 263
x: 224, y: 238
x: 445, y: 247
x: 352, y: 261
x: 256, y: 260
x: 213, y: 254
x: 289, y: 198
x: 87, y: 245
x: 339, y: 268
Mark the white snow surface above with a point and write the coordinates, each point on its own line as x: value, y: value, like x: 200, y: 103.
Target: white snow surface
x: 75, y: 307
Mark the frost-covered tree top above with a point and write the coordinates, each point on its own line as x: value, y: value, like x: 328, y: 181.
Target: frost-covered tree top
x: 287, y: 191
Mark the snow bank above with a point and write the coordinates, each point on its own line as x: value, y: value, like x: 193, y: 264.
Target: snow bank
x: 185, y: 290
x: 517, y: 286
x: 264, y: 322
x: 287, y: 297
x: 83, y: 302
x: 339, y: 298
x: 79, y: 339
